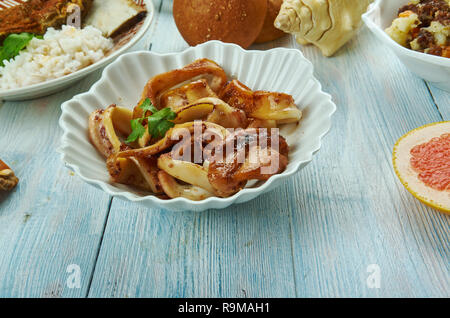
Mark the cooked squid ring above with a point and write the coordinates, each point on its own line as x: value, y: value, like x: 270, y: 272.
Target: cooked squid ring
x: 149, y: 170
x: 191, y: 112
x: 238, y: 96
x: 139, y: 172
x: 261, y: 104
x: 275, y: 106
x: 185, y: 171
x: 224, y: 114
x: 255, y: 170
x: 161, y: 83
x: 175, y: 190
x: 252, y: 157
x: 103, y: 128
x: 186, y: 94
x: 262, y: 123
x: 103, y: 125
x: 212, y: 110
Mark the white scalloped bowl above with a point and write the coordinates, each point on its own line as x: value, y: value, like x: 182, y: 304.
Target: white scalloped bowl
x: 122, y: 82
x: 434, y: 69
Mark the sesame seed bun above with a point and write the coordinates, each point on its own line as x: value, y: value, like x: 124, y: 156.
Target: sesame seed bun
x: 269, y: 32
x: 233, y: 21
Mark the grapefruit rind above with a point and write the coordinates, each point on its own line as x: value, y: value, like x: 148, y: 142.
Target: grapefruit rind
x: 439, y: 200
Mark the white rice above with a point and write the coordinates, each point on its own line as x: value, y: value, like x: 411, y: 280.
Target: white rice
x: 60, y: 53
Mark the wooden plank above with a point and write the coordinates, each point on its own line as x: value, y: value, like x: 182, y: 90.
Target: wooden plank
x: 442, y: 101
x: 349, y: 210
x: 244, y: 251
x: 166, y: 37
x: 52, y: 219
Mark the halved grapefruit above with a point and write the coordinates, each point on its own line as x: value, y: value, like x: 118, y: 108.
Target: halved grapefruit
x: 421, y: 161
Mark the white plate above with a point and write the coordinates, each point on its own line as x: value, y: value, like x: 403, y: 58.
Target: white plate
x: 57, y: 84
x: 434, y: 69
x: 122, y: 82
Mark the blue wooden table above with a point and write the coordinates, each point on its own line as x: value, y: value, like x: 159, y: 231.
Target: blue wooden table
x: 344, y: 226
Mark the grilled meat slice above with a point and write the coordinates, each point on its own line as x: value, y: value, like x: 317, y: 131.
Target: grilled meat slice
x: 35, y: 16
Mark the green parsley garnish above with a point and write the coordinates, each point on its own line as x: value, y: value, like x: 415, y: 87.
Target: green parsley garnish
x: 13, y: 44
x: 159, y: 122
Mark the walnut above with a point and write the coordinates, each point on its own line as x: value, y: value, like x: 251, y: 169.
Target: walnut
x: 8, y: 180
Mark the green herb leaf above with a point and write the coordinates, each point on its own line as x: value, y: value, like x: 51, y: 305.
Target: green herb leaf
x: 158, y: 123
x: 137, y: 130
x: 171, y: 116
x: 153, y: 123
x: 12, y: 46
x: 148, y: 106
x: 164, y: 126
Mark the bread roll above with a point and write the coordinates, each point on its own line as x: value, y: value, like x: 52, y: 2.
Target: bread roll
x: 233, y: 21
x: 269, y: 32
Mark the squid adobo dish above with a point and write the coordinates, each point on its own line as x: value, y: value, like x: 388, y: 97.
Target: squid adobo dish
x: 195, y: 134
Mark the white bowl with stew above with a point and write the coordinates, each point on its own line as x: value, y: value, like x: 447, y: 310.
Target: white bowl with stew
x: 434, y: 69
